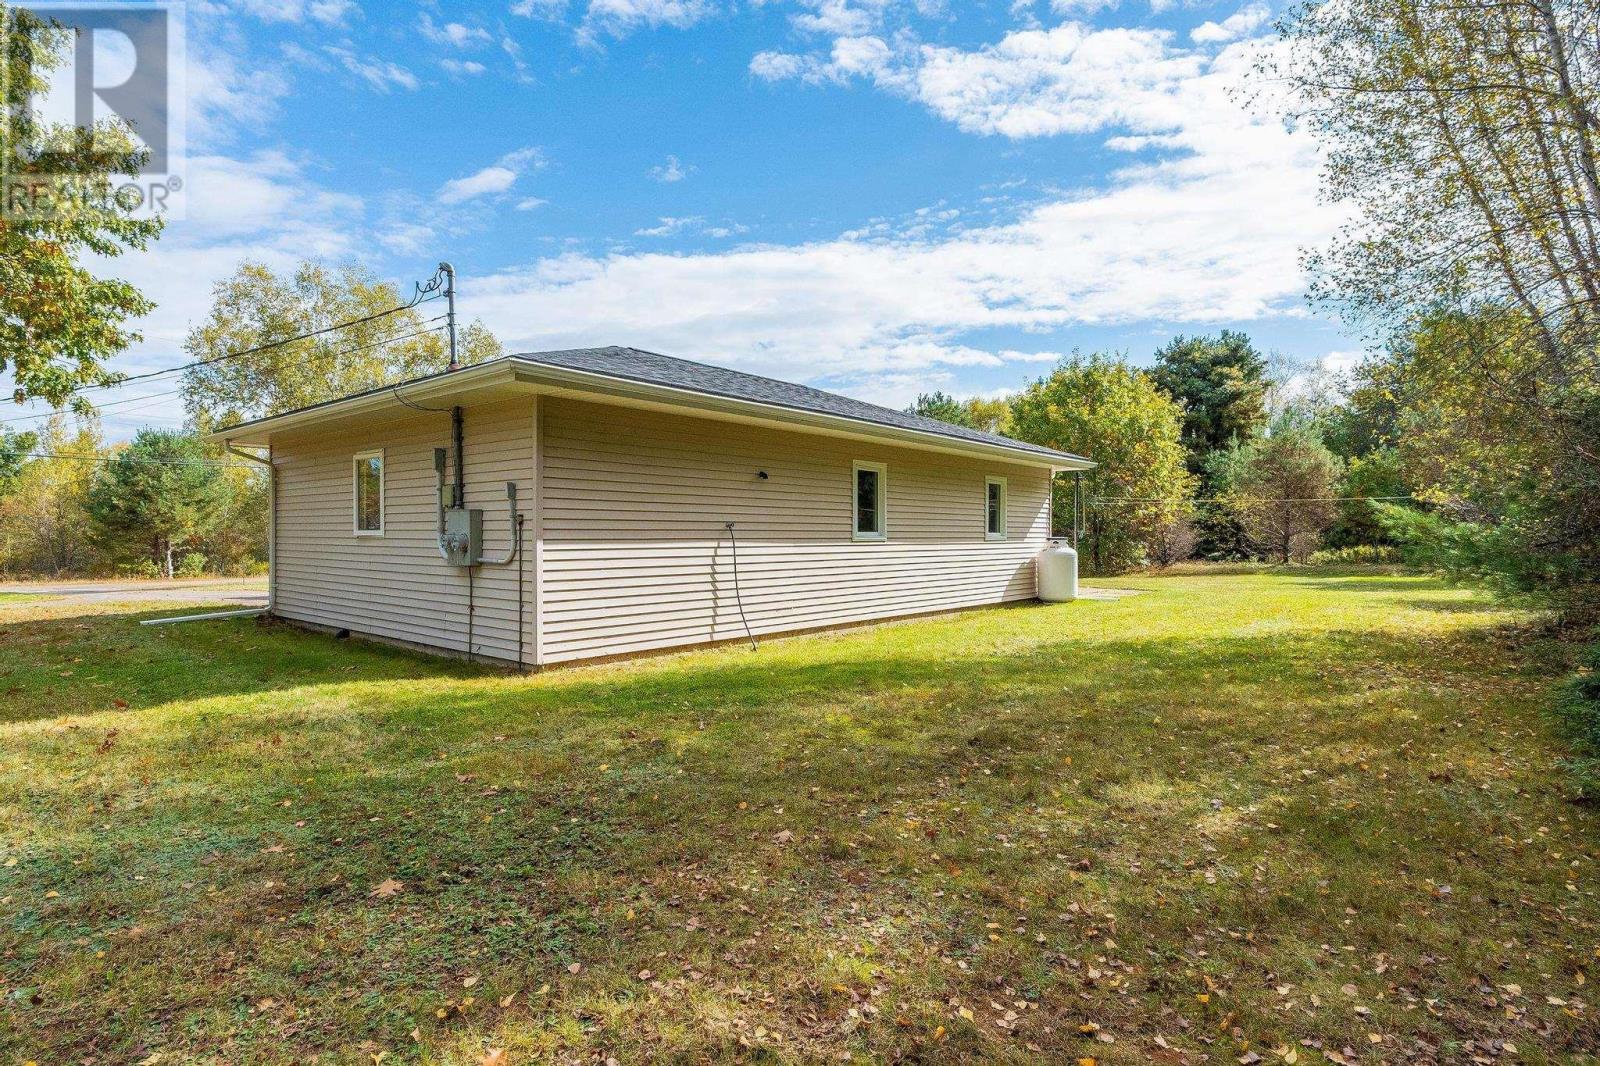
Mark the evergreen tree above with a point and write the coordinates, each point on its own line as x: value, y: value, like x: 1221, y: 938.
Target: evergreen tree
x: 156, y: 495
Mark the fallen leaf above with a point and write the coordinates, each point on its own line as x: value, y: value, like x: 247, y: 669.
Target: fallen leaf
x: 469, y: 981
x: 575, y: 968
x: 495, y: 1056
x: 505, y: 1001
x: 386, y: 888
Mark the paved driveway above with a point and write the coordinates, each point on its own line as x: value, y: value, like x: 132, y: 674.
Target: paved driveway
x: 246, y: 592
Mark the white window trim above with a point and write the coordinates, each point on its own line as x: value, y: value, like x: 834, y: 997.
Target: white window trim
x: 1004, y: 494
x: 355, y: 492
x: 882, y: 471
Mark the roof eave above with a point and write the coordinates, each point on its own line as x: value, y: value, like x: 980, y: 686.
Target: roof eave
x: 544, y: 377
x: 435, y: 388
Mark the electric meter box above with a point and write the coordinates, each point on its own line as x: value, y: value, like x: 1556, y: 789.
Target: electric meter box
x: 463, y: 535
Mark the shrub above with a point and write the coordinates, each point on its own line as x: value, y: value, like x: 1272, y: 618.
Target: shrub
x: 193, y: 564
x: 1356, y: 555
x: 145, y: 568
x: 1578, y: 709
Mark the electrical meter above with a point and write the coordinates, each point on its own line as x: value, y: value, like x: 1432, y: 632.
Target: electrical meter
x: 463, y: 535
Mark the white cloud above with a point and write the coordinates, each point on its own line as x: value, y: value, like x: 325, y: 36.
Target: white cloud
x: 1340, y: 362
x: 1241, y: 23
x: 495, y: 178
x: 782, y: 66
x: 327, y: 12
x: 264, y: 206
x: 452, y: 33
x: 227, y: 94
x: 1201, y: 228
x: 621, y: 17
x: 378, y: 73
x: 529, y: 203
x: 490, y: 179
x: 539, y: 9
x: 462, y: 66
x: 669, y: 226
x: 670, y: 171
x: 1082, y: 7
x: 838, y: 17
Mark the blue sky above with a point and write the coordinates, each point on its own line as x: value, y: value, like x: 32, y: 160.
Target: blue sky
x: 876, y: 197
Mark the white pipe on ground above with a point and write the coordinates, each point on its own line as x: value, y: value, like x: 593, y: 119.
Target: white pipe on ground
x: 248, y: 612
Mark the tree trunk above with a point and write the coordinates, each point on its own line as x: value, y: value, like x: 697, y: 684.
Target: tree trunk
x: 169, y: 560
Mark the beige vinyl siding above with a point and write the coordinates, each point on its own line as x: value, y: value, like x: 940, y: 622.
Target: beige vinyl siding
x: 396, y: 586
x: 635, y: 556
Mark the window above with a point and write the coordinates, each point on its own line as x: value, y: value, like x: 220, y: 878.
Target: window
x: 994, y: 491
x: 870, y: 518
x: 369, y: 494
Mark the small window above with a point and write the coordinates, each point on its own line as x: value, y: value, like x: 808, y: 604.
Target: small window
x: 369, y: 494
x: 870, y: 519
x: 995, y: 508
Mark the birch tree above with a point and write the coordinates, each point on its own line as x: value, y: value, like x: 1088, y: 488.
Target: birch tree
x: 1464, y: 136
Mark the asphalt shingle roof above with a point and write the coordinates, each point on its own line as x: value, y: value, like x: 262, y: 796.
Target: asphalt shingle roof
x: 634, y: 364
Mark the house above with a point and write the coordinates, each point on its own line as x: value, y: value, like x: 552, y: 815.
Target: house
x: 557, y: 506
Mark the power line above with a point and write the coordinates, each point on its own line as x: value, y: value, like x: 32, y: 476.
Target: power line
x: 264, y: 347
x: 125, y: 458
x: 100, y: 407
x: 275, y: 362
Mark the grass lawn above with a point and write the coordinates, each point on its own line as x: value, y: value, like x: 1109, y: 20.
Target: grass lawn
x: 1310, y: 818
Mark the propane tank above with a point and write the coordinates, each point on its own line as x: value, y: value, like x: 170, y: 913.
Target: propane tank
x: 1057, y: 570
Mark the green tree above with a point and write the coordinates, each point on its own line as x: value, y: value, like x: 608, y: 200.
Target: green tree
x: 1099, y: 406
x: 975, y: 412
x: 991, y: 415
x: 58, y: 320
x: 14, y: 449
x: 1371, y: 477
x: 1464, y: 142
x: 1221, y: 383
x: 258, y: 306
x: 940, y: 405
x: 1280, y: 485
x: 238, y: 542
x: 42, y: 527
x: 161, y: 492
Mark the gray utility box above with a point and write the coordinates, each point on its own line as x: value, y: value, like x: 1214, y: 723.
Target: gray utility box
x: 463, y: 535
